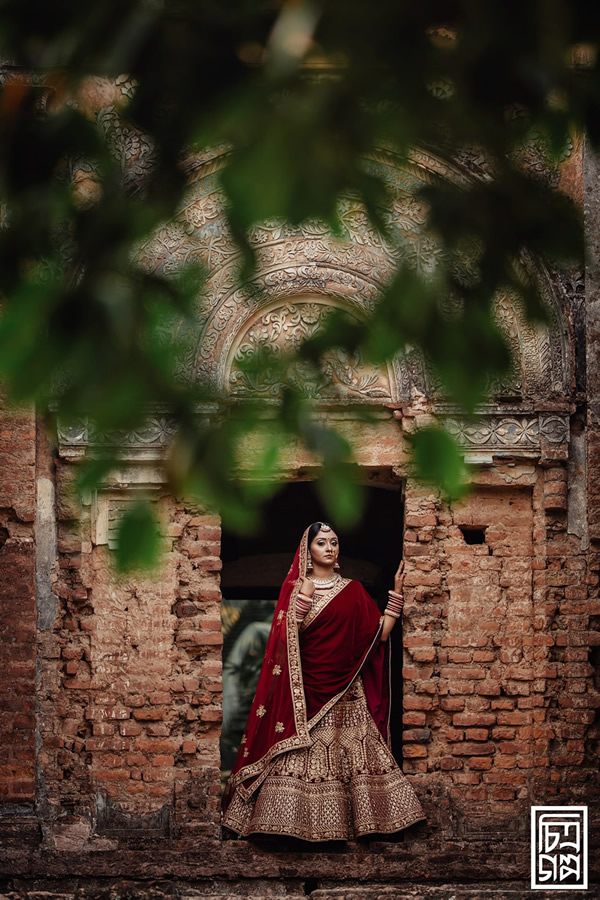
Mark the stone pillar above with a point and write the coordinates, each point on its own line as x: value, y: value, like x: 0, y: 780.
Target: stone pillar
x: 591, y: 173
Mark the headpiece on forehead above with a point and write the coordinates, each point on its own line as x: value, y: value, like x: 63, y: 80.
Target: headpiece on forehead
x: 325, y: 526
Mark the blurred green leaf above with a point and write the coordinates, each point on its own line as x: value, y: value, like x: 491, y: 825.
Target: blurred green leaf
x: 307, y: 98
x: 138, y: 538
x: 438, y: 461
x: 342, y: 495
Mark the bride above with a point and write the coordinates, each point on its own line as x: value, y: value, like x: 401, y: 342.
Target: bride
x: 314, y: 761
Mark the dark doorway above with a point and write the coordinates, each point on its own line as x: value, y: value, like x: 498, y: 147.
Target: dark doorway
x: 254, y: 568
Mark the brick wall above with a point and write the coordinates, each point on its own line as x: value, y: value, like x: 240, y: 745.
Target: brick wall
x: 17, y: 606
x: 500, y: 696
x: 131, y: 680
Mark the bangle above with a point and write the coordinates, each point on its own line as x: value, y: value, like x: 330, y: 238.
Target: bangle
x: 388, y: 612
x: 396, y: 602
x: 303, y: 604
x: 395, y: 595
x: 394, y: 607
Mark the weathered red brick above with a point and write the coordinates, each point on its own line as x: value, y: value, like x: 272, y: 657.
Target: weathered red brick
x: 423, y: 654
x: 449, y: 763
x: 452, y: 703
x: 462, y: 674
x: 473, y: 748
x: 476, y: 734
x: 414, y: 718
x: 414, y: 750
x: 163, y: 759
x: 148, y: 715
x: 97, y: 714
x: 474, y: 719
x: 416, y: 735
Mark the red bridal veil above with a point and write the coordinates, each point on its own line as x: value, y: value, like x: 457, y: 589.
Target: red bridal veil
x: 306, y: 671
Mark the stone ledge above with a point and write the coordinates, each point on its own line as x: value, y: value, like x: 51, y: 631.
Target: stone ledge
x: 264, y: 889
x: 385, y: 864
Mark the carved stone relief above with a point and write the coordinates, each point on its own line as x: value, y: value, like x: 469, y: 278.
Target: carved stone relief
x: 511, y: 432
x: 303, y: 273
x: 347, y: 270
x: 271, y: 335
x: 514, y: 432
x: 132, y: 149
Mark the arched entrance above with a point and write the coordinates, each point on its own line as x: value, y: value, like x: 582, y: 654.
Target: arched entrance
x: 254, y: 568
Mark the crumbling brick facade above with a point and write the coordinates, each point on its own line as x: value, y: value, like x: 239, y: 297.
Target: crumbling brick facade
x: 110, y: 700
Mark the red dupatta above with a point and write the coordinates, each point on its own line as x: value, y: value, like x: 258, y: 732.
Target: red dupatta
x: 304, y: 673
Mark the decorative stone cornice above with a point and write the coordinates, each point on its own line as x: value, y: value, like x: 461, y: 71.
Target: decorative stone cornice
x: 524, y: 431
x: 515, y: 432
x: 155, y: 433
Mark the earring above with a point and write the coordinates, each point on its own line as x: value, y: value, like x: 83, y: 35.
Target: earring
x: 336, y: 566
x: 309, y: 565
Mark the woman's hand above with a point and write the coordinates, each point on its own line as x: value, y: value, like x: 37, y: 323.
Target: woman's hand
x: 399, y: 578
x: 389, y: 620
x: 307, y: 587
x: 388, y: 624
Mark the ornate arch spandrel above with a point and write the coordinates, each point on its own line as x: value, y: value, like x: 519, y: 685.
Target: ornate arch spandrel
x: 275, y: 330
x: 348, y: 269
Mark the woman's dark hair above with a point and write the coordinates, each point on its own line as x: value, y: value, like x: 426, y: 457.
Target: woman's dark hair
x: 315, y: 529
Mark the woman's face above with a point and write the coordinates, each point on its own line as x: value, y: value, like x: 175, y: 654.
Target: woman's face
x: 325, y: 548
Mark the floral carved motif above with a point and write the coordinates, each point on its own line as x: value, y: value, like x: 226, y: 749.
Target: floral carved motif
x: 157, y: 430
x: 284, y: 329
x: 349, y: 269
x: 128, y: 145
x: 523, y: 432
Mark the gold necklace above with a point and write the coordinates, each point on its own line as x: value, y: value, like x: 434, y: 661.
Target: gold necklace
x: 325, y: 582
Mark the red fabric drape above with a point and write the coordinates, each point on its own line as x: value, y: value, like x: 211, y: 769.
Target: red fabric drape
x: 343, y: 639
x: 304, y: 674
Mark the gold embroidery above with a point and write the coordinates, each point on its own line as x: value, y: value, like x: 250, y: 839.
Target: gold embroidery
x: 345, y: 784
x: 279, y: 727
x: 246, y: 752
x: 260, y: 711
x: 280, y: 615
x: 243, y: 741
x: 260, y: 768
x: 276, y: 670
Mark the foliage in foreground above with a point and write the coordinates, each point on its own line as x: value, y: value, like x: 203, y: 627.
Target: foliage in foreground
x: 300, y: 91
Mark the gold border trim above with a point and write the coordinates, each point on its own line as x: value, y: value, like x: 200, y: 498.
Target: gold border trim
x: 260, y: 768
x: 322, y: 601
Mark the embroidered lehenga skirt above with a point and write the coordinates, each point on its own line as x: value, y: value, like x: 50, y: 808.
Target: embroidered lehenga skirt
x: 346, y: 784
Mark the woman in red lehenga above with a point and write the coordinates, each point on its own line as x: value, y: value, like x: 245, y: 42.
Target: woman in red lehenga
x: 314, y: 762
